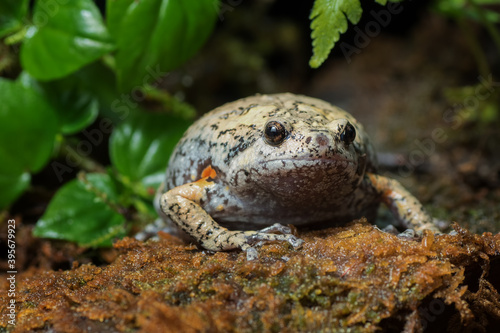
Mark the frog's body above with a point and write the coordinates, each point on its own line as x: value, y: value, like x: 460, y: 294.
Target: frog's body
x: 270, y: 159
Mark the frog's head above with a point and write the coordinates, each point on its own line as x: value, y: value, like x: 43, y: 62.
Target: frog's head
x: 303, y: 153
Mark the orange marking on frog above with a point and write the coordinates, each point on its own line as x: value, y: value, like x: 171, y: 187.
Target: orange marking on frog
x: 208, y: 172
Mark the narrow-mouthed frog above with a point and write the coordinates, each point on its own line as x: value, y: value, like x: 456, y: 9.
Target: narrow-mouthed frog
x: 268, y: 160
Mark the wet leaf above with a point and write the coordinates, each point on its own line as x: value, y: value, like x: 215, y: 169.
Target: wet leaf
x: 66, y: 36
x: 75, y: 107
x: 149, y: 48
x: 141, y: 146
x: 28, y: 127
x: 84, y: 211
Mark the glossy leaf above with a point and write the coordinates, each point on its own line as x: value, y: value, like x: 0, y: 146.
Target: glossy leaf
x: 115, y: 12
x: 100, y: 81
x: 12, y: 13
x: 28, y: 127
x: 12, y: 185
x: 66, y: 36
x: 84, y: 211
x: 156, y: 36
x: 141, y: 146
x: 75, y: 107
x: 328, y: 21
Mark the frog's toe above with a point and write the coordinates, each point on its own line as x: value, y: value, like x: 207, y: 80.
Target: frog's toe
x: 295, y: 242
x: 251, y: 252
x: 410, y: 234
x: 277, y: 228
x: 390, y: 229
x: 259, y: 237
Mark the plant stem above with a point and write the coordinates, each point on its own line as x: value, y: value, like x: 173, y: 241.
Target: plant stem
x: 84, y: 162
x: 16, y: 37
x: 169, y: 102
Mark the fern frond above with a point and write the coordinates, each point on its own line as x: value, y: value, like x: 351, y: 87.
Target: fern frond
x: 328, y: 21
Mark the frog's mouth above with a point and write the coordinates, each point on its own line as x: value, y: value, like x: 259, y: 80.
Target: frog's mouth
x: 334, y: 159
x: 322, y: 180
x: 334, y: 165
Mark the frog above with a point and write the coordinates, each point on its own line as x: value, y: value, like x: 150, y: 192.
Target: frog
x: 253, y: 170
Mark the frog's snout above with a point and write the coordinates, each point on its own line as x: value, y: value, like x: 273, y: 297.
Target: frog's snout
x: 322, y: 140
x: 321, y: 145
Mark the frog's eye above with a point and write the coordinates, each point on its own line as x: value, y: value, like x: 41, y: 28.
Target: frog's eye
x: 348, y: 134
x: 275, y: 133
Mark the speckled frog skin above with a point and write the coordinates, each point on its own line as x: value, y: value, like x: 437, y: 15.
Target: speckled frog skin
x: 268, y: 160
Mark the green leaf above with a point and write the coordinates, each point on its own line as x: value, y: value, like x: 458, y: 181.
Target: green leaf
x: 84, y: 211
x: 115, y: 12
x: 28, y: 127
x: 140, y: 146
x: 156, y: 36
x: 12, y: 187
x: 100, y: 81
x: 329, y: 20
x: 12, y: 13
x: 75, y: 107
x: 66, y: 36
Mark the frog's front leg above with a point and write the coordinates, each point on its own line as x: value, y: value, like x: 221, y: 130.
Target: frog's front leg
x: 182, y: 205
x: 403, y: 204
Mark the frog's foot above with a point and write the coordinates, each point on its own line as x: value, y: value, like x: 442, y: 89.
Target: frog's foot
x: 434, y: 225
x: 264, y: 236
x: 413, y: 234
x: 257, y: 238
x: 405, y: 207
x: 181, y: 205
x: 248, y: 240
x: 277, y: 228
